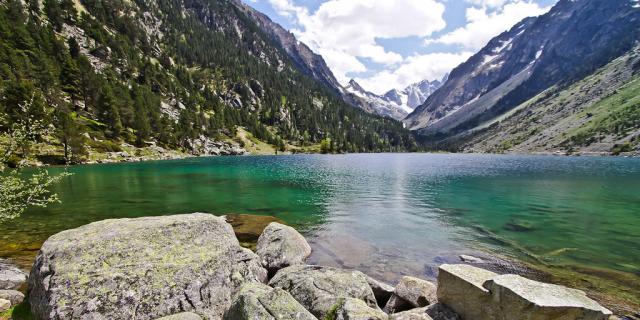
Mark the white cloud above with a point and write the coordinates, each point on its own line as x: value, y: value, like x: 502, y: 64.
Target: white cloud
x: 488, y: 3
x: 414, y: 68
x: 344, y: 30
x: 485, y: 23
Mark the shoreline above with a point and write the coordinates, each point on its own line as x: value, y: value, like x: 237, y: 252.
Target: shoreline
x: 247, y: 228
x: 125, y: 226
x: 136, y: 159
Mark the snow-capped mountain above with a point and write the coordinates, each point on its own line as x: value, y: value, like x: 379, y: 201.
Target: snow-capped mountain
x: 569, y: 42
x: 395, y: 103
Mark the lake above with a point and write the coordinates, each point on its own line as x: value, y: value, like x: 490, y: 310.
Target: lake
x: 577, y: 218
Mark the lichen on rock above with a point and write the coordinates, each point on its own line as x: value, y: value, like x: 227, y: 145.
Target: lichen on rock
x: 142, y: 268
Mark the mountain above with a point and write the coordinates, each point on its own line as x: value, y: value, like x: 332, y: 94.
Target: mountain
x: 575, y: 39
x: 174, y: 74
x: 395, y: 104
x: 300, y: 54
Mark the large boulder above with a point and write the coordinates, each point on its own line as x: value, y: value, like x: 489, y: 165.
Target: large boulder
x: 142, y: 268
x: 281, y: 246
x: 475, y: 293
x: 320, y: 289
x: 521, y: 298
x: 460, y: 287
x: 411, y: 293
x: 11, y: 278
x: 355, y: 309
x: 259, y: 301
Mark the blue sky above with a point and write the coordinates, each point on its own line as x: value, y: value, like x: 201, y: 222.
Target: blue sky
x: 386, y: 44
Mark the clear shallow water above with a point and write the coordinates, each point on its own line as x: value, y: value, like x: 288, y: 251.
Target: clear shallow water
x: 386, y: 214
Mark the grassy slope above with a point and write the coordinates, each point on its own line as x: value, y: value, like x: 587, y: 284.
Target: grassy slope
x: 596, y: 115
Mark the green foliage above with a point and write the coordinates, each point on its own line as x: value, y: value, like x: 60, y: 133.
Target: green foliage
x: 197, y: 66
x: 326, y: 145
x: 19, y: 191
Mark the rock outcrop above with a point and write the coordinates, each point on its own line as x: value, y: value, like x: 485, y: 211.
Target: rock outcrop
x: 474, y: 293
x: 411, y: 293
x: 281, y: 246
x: 259, y: 301
x: 11, y: 278
x: 321, y: 289
x: 141, y: 268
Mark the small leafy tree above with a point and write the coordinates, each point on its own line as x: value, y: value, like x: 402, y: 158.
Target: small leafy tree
x: 19, y: 191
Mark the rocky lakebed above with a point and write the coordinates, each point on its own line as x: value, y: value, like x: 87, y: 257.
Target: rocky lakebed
x: 193, y: 266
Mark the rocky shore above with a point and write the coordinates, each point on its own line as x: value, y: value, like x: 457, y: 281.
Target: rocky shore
x: 192, y: 266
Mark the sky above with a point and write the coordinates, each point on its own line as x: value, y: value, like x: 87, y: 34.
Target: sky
x: 389, y: 44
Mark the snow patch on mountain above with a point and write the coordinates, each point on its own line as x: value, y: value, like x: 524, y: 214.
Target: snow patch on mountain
x: 395, y: 103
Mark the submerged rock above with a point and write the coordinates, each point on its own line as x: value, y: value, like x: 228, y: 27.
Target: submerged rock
x: 249, y: 227
x: 259, y: 301
x: 319, y: 289
x: 411, y: 293
x: 11, y: 278
x: 281, y: 246
x: 536, y: 300
x: 142, y: 268
x: 381, y: 291
x: 470, y: 259
x: 356, y: 309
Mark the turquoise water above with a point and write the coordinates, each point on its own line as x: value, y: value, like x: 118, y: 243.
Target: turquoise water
x: 386, y: 214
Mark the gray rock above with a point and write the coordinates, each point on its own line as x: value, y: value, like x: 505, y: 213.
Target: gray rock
x: 319, y: 289
x: 470, y: 259
x: 16, y: 297
x: 460, y: 288
x: 474, y: 293
x: 259, y: 301
x: 281, y: 246
x: 411, y: 293
x: 11, y: 278
x: 5, y: 305
x: 413, y: 314
x: 381, y: 291
x: 356, y: 309
x: 435, y: 311
x: 142, y: 268
x: 182, y: 316
x: 521, y: 298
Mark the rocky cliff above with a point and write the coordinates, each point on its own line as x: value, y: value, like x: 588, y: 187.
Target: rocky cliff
x: 570, y: 42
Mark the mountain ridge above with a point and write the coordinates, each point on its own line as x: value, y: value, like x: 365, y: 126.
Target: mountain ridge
x: 572, y: 40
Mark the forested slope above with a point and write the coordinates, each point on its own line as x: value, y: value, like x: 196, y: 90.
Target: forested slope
x: 176, y: 74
